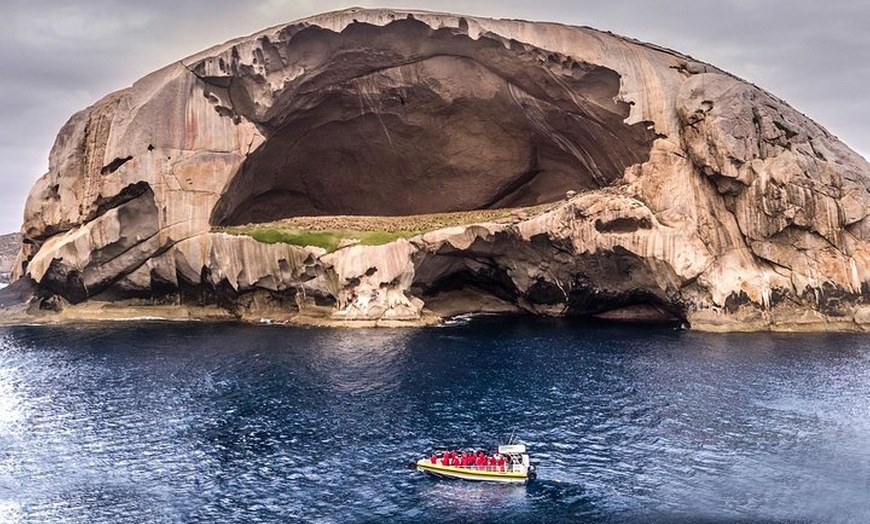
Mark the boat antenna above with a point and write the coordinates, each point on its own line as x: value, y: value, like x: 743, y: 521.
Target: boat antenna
x: 511, y: 440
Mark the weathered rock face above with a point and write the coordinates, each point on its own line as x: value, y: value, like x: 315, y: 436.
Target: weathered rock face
x: 10, y: 244
x: 698, y: 196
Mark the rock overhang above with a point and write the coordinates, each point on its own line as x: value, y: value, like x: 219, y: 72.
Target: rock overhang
x: 405, y: 118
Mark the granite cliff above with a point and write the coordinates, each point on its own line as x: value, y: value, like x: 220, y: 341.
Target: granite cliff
x: 677, y: 191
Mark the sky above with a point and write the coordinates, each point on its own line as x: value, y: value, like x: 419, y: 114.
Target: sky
x: 60, y: 56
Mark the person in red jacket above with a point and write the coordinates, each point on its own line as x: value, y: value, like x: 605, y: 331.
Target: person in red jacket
x: 434, y: 459
x: 501, y: 463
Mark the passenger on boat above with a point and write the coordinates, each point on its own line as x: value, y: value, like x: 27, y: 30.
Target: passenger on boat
x: 434, y: 459
x: 501, y: 463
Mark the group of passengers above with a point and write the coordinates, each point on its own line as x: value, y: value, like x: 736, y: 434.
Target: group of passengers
x: 472, y: 460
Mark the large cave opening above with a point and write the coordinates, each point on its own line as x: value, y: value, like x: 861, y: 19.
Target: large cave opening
x: 404, y: 119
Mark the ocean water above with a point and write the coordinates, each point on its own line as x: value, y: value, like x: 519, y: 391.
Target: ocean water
x: 228, y: 423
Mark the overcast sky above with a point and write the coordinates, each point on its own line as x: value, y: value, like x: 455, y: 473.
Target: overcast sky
x: 60, y: 56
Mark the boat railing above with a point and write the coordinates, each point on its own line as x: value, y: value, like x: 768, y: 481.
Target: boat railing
x: 507, y: 468
x: 506, y: 462
x: 475, y: 467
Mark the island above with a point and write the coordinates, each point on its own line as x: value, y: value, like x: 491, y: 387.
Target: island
x: 375, y: 167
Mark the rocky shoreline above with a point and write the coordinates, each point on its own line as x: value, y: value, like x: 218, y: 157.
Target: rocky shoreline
x: 113, y: 312
x: 438, y: 311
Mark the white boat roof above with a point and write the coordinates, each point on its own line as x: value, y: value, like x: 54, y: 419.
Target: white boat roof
x: 512, y: 448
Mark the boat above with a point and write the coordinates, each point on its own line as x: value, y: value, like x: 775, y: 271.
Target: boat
x: 510, y: 463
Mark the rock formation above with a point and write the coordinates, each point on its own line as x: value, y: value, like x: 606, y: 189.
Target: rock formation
x: 10, y: 244
x: 693, y: 195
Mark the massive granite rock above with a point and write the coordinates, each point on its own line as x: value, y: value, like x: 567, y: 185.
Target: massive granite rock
x: 693, y: 195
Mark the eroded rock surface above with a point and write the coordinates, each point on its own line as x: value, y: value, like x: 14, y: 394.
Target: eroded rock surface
x: 693, y: 195
x: 10, y: 244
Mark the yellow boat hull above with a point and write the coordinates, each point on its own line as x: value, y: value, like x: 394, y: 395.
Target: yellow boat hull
x: 457, y: 472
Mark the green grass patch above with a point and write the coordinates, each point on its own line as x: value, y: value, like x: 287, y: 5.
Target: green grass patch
x: 328, y: 232
x: 328, y: 240
x: 377, y: 238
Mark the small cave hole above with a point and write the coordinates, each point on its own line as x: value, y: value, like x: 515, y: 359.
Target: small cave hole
x: 114, y: 165
x: 622, y: 225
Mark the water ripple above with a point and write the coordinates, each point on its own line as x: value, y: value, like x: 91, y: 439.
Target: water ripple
x: 178, y: 423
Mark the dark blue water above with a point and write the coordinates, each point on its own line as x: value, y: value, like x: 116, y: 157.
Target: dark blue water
x: 227, y: 423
